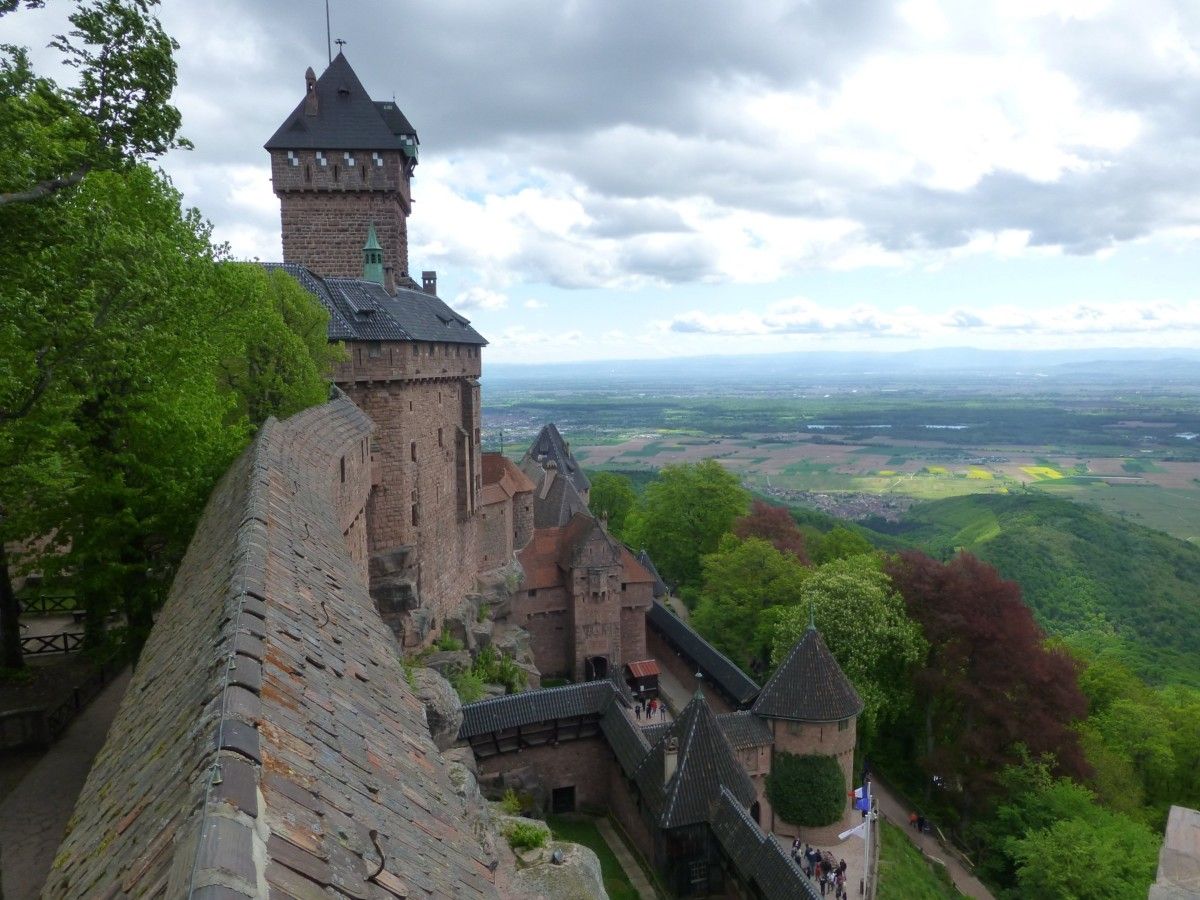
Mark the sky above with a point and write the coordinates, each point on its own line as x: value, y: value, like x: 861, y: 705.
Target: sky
x: 632, y: 179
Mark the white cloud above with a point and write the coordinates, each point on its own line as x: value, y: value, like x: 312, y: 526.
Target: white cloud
x: 480, y: 298
x: 533, y: 304
x: 801, y: 316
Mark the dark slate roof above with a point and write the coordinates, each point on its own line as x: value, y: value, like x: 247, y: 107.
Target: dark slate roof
x: 347, y: 118
x: 588, y: 698
x: 555, y: 498
x: 737, y: 832
x: 742, y: 729
x: 270, y: 661
x: 363, y: 311
x: 706, y: 765
x: 628, y: 742
x: 758, y: 857
x: 549, y: 445
x: 713, y: 663
x: 660, y: 586
x: 777, y: 876
x: 809, y: 686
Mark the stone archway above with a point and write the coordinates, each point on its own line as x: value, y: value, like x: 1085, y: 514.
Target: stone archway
x: 595, y: 668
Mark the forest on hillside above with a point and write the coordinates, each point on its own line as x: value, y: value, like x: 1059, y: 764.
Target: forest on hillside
x: 1048, y: 728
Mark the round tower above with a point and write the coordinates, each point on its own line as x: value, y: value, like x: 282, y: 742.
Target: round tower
x: 811, y: 708
x: 342, y: 162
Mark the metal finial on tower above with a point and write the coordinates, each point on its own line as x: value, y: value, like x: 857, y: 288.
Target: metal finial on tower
x: 328, y: 43
x: 812, y: 617
x: 340, y: 44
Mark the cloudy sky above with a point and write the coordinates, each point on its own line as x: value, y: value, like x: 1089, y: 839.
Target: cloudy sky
x: 623, y: 178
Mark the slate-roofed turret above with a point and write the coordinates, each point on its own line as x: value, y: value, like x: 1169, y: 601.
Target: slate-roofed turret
x: 705, y: 764
x: 337, y: 113
x: 549, y: 446
x: 809, y: 686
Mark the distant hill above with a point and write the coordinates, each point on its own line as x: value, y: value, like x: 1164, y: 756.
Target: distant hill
x: 1095, y: 579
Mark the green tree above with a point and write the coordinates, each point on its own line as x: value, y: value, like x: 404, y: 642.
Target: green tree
x: 865, y: 625
x: 140, y: 406
x: 840, y: 543
x: 683, y: 513
x: 1105, y: 856
x: 612, y: 496
x: 742, y: 581
x: 117, y: 115
x: 1049, y: 837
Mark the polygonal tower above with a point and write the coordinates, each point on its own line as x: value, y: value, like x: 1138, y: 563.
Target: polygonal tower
x: 340, y: 163
x: 811, y: 708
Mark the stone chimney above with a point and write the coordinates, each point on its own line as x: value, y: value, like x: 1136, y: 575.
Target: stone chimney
x: 429, y: 282
x: 670, y: 758
x: 310, y: 92
x: 389, y: 279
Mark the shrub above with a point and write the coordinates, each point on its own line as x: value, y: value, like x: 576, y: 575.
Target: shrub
x: 807, y: 790
x: 496, y: 668
x: 467, y: 685
x: 447, y: 641
x: 526, y: 836
x: 510, y: 802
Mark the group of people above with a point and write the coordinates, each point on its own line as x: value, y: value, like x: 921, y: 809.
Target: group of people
x: 650, y: 708
x: 830, y: 876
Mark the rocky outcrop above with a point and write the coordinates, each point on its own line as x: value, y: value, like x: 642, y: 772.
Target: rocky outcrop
x: 443, y: 709
x: 447, y: 662
x: 562, y: 872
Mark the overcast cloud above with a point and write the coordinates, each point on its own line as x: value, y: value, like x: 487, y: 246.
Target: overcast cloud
x: 700, y: 163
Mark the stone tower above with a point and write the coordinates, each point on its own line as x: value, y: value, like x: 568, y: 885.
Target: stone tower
x: 811, y: 707
x: 340, y: 163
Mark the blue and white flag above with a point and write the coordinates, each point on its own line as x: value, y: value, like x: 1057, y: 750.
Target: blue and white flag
x: 862, y: 797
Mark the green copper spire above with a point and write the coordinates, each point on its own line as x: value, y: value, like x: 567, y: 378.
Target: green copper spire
x: 372, y: 257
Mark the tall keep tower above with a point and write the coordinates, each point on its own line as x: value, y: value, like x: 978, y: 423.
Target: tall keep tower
x: 340, y: 162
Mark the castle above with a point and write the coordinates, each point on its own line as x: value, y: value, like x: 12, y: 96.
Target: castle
x: 271, y: 743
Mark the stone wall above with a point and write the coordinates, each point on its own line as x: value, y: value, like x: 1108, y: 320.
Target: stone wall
x: 325, y: 221
x: 426, y: 469
x: 585, y: 764
x: 269, y: 743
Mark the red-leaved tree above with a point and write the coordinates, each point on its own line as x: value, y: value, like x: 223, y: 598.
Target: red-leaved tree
x: 989, y: 683
x: 775, y: 525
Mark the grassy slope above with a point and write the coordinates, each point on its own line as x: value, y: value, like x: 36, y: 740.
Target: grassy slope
x: 905, y: 875
x: 1087, y: 575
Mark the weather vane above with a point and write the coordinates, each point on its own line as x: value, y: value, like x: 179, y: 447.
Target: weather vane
x: 340, y: 44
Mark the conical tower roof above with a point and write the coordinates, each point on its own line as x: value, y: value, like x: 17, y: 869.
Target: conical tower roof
x: 550, y: 446
x: 706, y: 763
x: 346, y: 118
x: 809, y: 686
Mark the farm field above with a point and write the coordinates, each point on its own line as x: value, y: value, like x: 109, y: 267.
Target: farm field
x: 1134, y: 456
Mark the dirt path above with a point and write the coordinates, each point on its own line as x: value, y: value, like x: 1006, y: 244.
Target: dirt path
x: 895, y: 812
x: 34, y: 816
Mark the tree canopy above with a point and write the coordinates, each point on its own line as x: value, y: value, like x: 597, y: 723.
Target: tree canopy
x: 742, y: 580
x: 774, y: 524
x: 135, y: 361
x: 867, y: 629
x: 988, y: 684
x: 612, y: 496
x: 809, y: 791
x: 683, y: 513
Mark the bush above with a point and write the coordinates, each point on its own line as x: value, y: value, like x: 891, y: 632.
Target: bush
x: 807, y: 790
x: 510, y: 802
x: 495, y: 668
x: 526, y: 836
x: 467, y: 685
x: 447, y: 641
